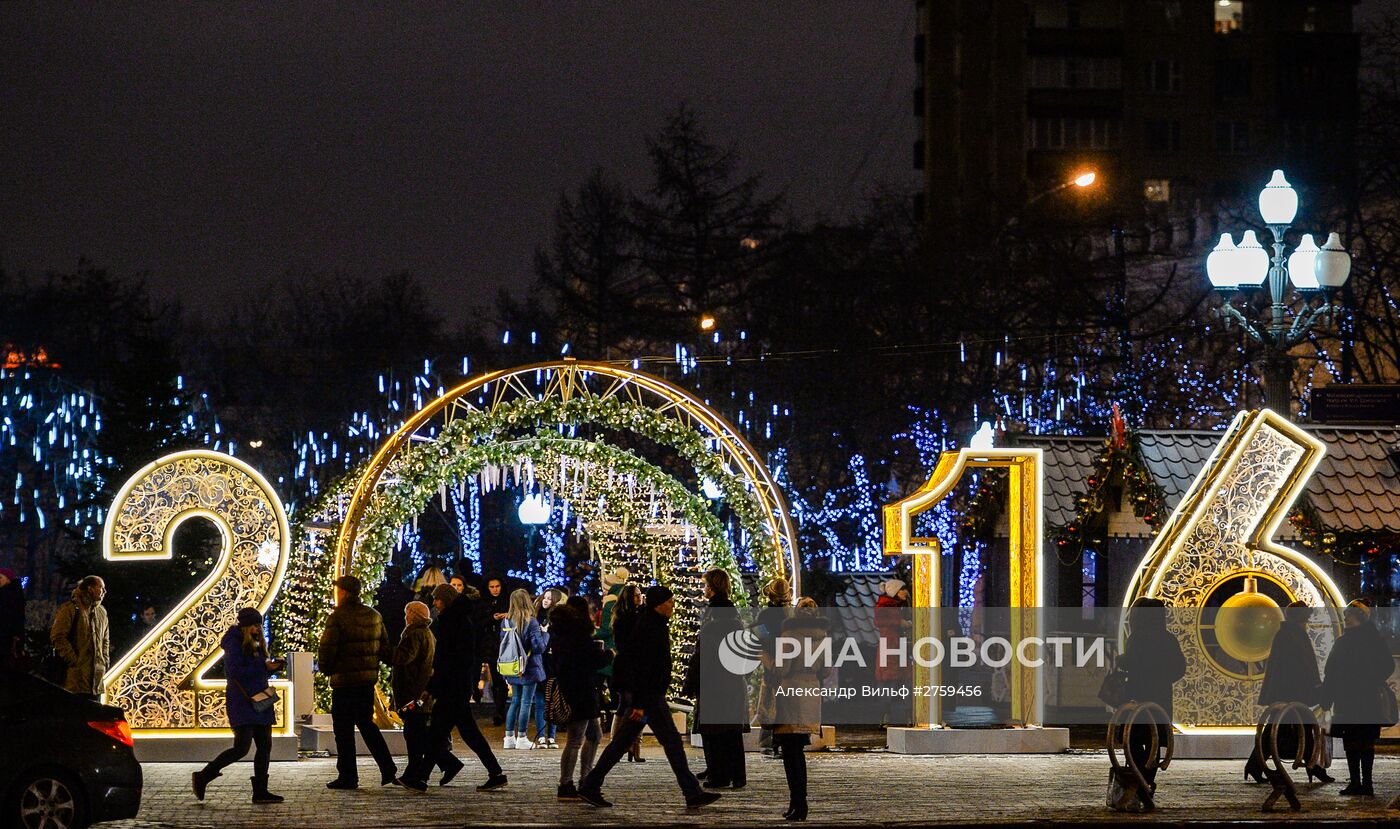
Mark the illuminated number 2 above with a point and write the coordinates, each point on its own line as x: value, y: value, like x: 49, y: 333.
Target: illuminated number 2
x: 160, y: 682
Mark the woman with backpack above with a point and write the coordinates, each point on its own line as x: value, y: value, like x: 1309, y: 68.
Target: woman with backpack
x: 520, y: 660
x: 576, y: 658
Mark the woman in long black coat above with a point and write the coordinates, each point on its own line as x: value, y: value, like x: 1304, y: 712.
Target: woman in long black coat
x: 1357, y: 670
x: 1290, y: 676
x: 1153, y: 661
x: 721, y: 696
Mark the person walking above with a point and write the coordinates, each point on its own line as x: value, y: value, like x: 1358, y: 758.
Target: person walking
x: 413, y: 666
x: 11, y: 619
x: 455, y: 662
x: 575, y: 659
x: 626, y: 610
x: 777, y: 606
x: 648, y: 669
x: 495, y: 608
x: 521, y: 661
x: 351, y: 648
x: 799, y: 704
x: 1291, y: 675
x: 390, y: 600
x: 81, y: 638
x: 1354, y: 687
x: 613, y: 583
x: 1153, y: 661
x: 721, y: 696
x: 247, y: 666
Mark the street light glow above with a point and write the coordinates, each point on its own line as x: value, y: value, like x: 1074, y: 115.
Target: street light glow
x: 707, y: 323
x: 1085, y: 179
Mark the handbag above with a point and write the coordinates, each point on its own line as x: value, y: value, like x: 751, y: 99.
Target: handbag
x: 263, y: 700
x: 1389, y: 708
x: 556, y: 708
x: 1114, y: 690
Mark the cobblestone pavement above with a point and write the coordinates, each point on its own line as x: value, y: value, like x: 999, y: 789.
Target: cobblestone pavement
x: 850, y: 787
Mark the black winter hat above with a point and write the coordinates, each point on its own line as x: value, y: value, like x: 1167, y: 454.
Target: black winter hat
x: 658, y: 594
x: 249, y: 616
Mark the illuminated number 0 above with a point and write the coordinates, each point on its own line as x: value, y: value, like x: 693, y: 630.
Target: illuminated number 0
x: 160, y: 682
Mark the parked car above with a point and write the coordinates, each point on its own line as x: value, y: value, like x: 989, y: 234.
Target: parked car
x: 67, y: 761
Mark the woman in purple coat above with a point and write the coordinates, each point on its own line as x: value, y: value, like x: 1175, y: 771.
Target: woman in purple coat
x: 247, y: 665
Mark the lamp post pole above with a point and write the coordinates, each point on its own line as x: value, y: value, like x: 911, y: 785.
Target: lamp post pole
x: 1233, y: 269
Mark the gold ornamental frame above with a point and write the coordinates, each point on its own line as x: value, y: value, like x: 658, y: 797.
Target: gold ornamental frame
x: 1025, y: 499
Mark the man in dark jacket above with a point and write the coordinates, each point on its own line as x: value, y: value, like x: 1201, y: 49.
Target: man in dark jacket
x: 495, y: 605
x: 390, y: 600
x: 721, y: 696
x: 456, y: 666
x: 352, y: 646
x: 649, y: 675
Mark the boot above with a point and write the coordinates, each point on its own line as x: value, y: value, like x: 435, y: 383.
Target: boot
x: 1368, y: 761
x: 200, y: 781
x: 1254, y: 768
x: 260, y: 792
x: 1353, y: 786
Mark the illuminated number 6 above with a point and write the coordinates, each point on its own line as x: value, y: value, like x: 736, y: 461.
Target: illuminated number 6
x: 160, y: 682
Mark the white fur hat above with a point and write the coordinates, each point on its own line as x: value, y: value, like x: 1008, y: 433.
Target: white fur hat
x: 891, y: 587
x: 616, y: 577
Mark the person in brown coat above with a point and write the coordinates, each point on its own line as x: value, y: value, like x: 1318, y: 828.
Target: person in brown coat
x: 351, y: 648
x: 799, y: 704
x: 81, y: 638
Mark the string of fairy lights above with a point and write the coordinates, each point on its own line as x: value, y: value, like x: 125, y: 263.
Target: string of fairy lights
x: 838, y: 526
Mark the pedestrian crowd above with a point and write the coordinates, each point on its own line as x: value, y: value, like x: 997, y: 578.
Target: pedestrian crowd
x: 579, y: 670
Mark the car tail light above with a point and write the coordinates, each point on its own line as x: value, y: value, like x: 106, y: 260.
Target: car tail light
x: 119, y: 731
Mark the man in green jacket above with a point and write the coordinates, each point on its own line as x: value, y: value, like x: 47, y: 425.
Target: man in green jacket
x: 352, y: 646
x: 81, y: 638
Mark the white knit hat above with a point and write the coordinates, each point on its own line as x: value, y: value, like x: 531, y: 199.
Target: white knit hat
x: 891, y: 587
x: 616, y: 577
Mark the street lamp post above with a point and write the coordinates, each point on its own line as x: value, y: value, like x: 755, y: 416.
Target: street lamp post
x: 1233, y: 269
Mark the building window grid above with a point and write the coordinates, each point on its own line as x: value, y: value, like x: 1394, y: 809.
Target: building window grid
x: 1056, y: 133
x: 1164, y: 76
x: 1055, y: 72
x: 1232, y: 137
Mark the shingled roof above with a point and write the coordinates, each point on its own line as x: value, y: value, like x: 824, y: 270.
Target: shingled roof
x: 1069, y: 461
x: 1174, y: 458
x: 1356, y: 485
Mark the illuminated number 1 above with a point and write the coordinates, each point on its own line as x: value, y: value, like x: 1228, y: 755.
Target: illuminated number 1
x: 160, y: 682
x: 1025, y: 495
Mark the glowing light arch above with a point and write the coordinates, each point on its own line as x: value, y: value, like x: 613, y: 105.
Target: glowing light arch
x: 568, y: 380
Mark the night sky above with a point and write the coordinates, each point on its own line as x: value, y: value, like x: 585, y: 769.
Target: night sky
x: 214, y: 147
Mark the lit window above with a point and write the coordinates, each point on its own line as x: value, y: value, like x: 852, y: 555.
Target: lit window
x: 1157, y: 189
x: 1229, y: 16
